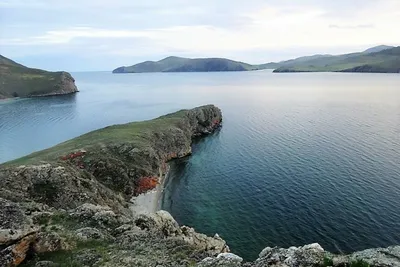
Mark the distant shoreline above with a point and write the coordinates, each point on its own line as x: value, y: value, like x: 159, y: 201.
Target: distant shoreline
x: 379, y: 59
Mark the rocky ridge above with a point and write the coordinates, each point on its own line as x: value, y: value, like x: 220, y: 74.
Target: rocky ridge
x: 70, y: 205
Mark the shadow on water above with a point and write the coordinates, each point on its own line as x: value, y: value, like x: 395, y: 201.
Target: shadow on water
x: 178, y: 167
x: 172, y: 183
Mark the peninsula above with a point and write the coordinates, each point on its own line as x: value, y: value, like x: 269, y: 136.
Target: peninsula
x: 17, y: 80
x: 75, y: 204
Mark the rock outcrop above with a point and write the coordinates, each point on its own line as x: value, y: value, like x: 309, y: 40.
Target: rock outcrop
x: 312, y: 255
x: 69, y: 205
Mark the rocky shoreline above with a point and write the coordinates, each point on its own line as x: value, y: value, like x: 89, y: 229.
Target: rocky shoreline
x: 91, y: 201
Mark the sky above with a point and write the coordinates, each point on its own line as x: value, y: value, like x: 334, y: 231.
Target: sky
x: 92, y: 35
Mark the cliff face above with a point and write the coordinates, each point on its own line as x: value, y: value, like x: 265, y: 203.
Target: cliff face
x: 63, y: 85
x: 69, y: 205
x: 19, y: 81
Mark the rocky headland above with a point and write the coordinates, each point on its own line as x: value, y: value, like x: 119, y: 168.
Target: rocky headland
x: 78, y: 204
x: 17, y: 80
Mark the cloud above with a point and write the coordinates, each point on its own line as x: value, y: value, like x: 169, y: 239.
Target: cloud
x: 21, y: 4
x: 127, y: 30
x: 361, y: 26
x: 68, y: 35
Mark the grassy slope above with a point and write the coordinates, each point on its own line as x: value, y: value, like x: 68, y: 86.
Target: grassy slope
x: 378, y: 48
x: 383, y: 61
x: 18, y: 80
x: 178, y: 64
x: 300, y: 60
x: 135, y: 132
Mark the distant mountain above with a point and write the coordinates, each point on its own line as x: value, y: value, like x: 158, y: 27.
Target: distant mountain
x: 179, y: 64
x: 378, y: 48
x: 381, y: 58
x: 17, y: 80
x: 275, y: 65
x: 385, y: 60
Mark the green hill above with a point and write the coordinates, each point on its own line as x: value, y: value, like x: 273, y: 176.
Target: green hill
x: 378, y: 48
x: 179, y: 64
x: 381, y: 59
x: 17, y: 80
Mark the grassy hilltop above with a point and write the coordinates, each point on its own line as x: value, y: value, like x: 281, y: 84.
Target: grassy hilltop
x: 382, y: 59
x: 17, y: 80
x: 180, y: 64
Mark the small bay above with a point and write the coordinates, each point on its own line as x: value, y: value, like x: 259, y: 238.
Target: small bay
x: 301, y: 158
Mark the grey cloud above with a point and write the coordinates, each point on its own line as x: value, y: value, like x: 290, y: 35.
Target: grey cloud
x: 124, y: 13
x: 24, y: 19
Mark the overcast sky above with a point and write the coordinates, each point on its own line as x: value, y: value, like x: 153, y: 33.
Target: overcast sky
x: 79, y: 35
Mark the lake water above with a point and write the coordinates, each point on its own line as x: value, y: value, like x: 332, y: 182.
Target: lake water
x: 301, y: 158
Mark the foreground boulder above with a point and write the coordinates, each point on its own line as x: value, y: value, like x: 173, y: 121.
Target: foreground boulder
x: 17, y: 233
x: 309, y: 255
x: 312, y: 255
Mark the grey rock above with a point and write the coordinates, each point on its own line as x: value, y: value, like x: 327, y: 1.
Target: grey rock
x: 88, y: 257
x: 382, y: 257
x: 102, y: 216
x: 164, y: 224
x: 308, y: 255
x: 89, y: 233
x: 14, y: 224
x: 222, y: 260
x: 49, y: 242
x: 15, y: 254
x: 60, y: 187
x: 123, y: 228
x: 46, y: 264
x: 212, y: 245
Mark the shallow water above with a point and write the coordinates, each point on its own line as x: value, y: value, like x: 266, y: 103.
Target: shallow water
x: 301, y: 158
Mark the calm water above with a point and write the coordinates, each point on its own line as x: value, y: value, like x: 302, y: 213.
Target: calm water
x: 301, y: 158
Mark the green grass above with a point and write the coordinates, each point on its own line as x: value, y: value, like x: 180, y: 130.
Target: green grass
x: 384, y: 61
x: 359, y: 263
x: 178, y: 64
x: 19, y: 81
x: 68, y: 258
x: 327, y: 261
